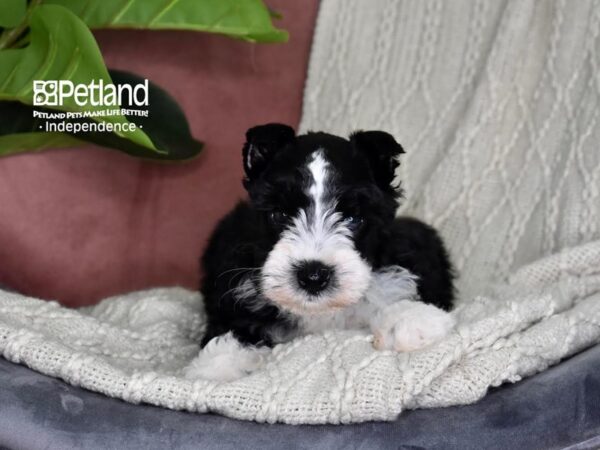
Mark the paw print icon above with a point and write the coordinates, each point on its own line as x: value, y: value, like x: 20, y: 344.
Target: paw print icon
x: 45, y: 93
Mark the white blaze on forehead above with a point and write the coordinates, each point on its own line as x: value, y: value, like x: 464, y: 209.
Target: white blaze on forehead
x: 318, y: 168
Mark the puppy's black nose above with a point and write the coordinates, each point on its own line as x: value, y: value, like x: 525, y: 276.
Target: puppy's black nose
x: 313, y: 276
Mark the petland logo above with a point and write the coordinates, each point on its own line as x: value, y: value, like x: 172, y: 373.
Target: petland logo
x: 55, y: 92
x: 98, y: 103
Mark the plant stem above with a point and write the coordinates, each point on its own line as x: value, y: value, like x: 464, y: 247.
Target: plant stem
x: 22, y: 41
x: 9, y: 37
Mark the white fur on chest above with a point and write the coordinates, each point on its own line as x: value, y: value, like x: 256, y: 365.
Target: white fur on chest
x: 388, y: 286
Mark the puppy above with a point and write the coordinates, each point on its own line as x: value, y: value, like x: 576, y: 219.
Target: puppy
x: 317, y: 247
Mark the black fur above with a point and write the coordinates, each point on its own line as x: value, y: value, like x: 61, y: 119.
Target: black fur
x: 364, y: 167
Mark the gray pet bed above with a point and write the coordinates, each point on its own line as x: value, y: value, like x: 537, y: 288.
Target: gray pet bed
x: 554, y: 409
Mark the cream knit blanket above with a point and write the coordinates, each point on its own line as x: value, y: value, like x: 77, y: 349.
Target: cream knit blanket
x: 497, y: 104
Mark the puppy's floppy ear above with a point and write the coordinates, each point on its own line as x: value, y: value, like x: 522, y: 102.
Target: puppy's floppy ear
x: 382, y: 152
x: 262, y: 142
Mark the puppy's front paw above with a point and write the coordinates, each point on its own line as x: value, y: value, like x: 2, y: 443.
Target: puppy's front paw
x: 225, y: 359
x: 408, y: 325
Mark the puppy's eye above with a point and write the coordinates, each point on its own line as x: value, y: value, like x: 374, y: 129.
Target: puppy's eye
x: 279, y: 217
x: 352, y: 222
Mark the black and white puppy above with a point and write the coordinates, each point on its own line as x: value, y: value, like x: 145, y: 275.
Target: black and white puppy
x: 318, y: 247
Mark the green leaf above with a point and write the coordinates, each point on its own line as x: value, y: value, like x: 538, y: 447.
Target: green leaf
x: 23, y: 142
x: 20, y: 131
x: 12, y: 12
x: 61, y: 48
x: 166, y: 125
x: 245, y: 19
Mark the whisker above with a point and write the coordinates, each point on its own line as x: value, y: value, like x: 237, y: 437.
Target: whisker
x: 254, y: 279
x: 239, y: 275
x: 237, y: 269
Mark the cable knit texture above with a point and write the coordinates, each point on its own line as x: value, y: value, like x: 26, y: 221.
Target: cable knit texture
x: 497, y: 105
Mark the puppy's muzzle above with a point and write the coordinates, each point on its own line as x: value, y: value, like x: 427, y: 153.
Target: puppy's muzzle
x: 314, y: 276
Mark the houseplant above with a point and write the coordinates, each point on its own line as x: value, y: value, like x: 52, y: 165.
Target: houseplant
x: 47, y: 42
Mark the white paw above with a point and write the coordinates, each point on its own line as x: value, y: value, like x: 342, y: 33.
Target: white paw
x: 408, y: 325
x: 225, y: 359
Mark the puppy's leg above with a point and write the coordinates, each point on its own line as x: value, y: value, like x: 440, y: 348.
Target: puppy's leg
x: 224, y: 358
x: 409, y: 325
x: 397, y: 319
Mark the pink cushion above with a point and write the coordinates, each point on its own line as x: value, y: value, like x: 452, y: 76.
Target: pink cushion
x: 79, y: 224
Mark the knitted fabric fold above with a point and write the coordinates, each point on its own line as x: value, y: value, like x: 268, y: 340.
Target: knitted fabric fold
x: 134, y: 347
